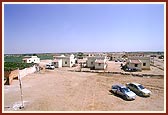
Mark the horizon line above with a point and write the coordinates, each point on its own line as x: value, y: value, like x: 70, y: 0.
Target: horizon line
x: 84, y: 52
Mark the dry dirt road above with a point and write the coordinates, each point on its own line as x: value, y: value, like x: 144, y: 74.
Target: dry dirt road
x: 62, y: 90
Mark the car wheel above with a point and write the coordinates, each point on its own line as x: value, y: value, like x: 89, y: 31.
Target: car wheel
x: 124, y: 97
x: 141, y: 94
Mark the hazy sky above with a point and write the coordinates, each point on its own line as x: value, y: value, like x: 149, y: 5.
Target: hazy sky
x: 83, y: 27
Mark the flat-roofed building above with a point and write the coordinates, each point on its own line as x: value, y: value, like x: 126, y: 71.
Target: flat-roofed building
x: 144, y: 61
x: 57, y: 63
x: 134, y: 64
x: 31, y: 59
x: 67, y: 61
x: 100, y: 64
x: 91, y: 61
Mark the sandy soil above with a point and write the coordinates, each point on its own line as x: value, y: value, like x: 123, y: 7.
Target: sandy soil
x: 62, y: 90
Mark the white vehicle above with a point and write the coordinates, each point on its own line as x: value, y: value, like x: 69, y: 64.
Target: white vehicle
x: 123, y: 91
x: 50, y: 66
x: 139, y: 89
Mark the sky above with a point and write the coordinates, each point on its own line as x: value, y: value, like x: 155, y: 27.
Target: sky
x: 58, y: 28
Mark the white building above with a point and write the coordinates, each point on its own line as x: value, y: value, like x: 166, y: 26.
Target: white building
x: 67, y: 61
x: 57, y: 63
x: 31, y: 59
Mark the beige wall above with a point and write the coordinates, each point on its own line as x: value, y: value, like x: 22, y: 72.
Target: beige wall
x: 147, y: 66
x: 58, y: 64
x: 22, y: 73
x: 143, y: 60
x: 90, y: 62
x: 132, y: 65
x: 102, y: 66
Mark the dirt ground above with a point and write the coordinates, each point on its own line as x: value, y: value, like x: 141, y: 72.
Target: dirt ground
x: 62, y: 90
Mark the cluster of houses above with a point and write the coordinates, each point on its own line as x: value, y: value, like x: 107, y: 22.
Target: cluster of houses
x: 97, y: 62
x: 93, y: 62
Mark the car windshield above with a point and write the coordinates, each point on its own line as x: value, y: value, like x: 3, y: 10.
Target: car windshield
x: 141, y: 87
x: 125, y: 90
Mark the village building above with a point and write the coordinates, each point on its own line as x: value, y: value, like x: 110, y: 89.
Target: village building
x: 94, y: 60
x: 67, y: 61
x: 121, y: 57
x: 140, y: 63
x: 82, y: 62
x: 31, y: 59
x: 137, y: 64
x: 57, y: 63
x: 100, y: 64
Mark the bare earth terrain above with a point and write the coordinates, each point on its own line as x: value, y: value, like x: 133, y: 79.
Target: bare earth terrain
x: 62, y: 90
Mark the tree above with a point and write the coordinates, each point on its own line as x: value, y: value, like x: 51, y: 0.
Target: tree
x: 80, y: 55
x: 34, y: 54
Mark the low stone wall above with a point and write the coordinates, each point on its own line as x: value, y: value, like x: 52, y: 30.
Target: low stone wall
x: 122, y: 73
x: 14, y: 74
x: 27, y: 71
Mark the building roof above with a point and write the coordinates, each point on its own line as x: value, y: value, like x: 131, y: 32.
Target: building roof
x: 59, y: 56
x: 25, y: 58
x: 63, y: 56
x: 99, y: 61
x: 135, y: 61
x: 97, y: 57
x: 139, y: 58
x: 56, y: 60
x: 82, y: 60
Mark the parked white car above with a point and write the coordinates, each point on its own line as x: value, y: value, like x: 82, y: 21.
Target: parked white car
x: 50, y: 66
x: 139, y: 89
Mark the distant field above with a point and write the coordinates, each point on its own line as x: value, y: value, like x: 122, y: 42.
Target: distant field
x: 13, y: 58
x: 43, y: 57
x: 19, y: 58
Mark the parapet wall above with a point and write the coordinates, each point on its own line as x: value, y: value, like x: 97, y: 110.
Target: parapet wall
x: 15, y: 73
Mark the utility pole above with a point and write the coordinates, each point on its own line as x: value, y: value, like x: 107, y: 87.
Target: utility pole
x: 20, y: 82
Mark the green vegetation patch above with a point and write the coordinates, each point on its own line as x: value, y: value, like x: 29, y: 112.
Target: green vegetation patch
x: 10, y: 66
x: 13, y: 58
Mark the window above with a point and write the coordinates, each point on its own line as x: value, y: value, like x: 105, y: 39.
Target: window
x: 136, y: 87
x: 66, y: 62
x: 141, y: 87
x: 136, y: 65
x: 91, y: 63
x: 144, y: 64
x: 131, y: 85
x: 99, y: 64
